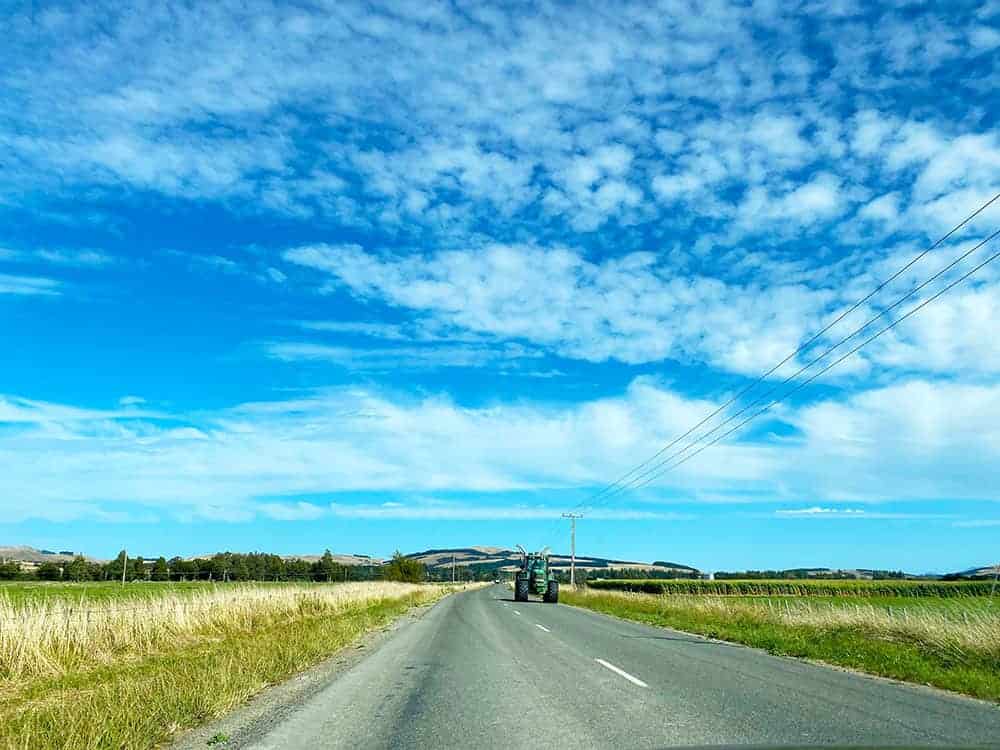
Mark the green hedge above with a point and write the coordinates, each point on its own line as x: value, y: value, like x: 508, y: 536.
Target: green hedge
x: 799, y: 587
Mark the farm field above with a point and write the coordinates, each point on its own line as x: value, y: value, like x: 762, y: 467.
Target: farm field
x: 950, y: 641
x: 800, y: 587
x: 96, y: 667
x: 25, y: 592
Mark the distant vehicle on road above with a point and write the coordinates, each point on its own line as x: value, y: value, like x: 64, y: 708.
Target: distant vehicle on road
x: 535, y: 577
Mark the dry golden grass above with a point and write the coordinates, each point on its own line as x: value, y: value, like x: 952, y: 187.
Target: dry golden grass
x: 52, y: 637
x: 129, y: 673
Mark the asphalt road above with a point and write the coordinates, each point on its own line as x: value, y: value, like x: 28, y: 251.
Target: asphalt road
x: 481, y: 671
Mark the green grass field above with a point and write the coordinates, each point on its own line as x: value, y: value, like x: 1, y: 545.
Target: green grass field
x: 26, y: 592
x: 951, y: 642
x: 96, y: 666
x: 800, y: 587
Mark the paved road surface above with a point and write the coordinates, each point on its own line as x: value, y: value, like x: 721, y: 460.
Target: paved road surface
x: 481, y: 671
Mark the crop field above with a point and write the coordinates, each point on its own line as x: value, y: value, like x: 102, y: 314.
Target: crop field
x: 98, y: 667
x: 18, y: 592
x: 807, y: 587
x: 950, y: 641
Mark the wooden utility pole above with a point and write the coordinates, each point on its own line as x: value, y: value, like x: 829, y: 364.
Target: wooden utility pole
x: 572, y: 545
x: 124, y: 564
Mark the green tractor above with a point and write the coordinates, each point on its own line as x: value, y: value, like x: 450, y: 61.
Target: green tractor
x: 535, y: 577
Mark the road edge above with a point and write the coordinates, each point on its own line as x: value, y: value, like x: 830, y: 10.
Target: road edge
x: 800, y: 659
x: 275, y: 702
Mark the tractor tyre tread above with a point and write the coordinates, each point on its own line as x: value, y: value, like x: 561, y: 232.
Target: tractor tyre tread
x: 552, y: 592
x: 520, y: 591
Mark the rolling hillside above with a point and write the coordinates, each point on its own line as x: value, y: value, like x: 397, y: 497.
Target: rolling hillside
x: 500, y: 558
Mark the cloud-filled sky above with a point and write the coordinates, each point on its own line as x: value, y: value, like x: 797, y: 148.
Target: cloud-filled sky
x: 367, y: 276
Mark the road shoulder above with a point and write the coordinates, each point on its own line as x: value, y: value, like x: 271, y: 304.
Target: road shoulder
x: 918, y: 687
x: 273, y: 704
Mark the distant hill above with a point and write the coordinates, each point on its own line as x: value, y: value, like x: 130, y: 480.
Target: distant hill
x: 500, y: 558
x: 339, y: 558
x: 34, y: 557
x: 27, y: 554
x: 986, y: 571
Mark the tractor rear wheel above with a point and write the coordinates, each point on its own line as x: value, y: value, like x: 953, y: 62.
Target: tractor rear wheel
x: 552, y: 592
x: 521, y: 590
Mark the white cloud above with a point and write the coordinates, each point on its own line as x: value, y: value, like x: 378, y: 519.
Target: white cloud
x: 634, y: 309
x: 331, y: 442
x: 467, y: 512
x: 73, y: 257
x: 395, y: 358
x: 885, y: 208
x: 672, y: 187
x: 29, y: 285
x: 819, y: 512
x: 871, y: 130
x: 820, y: 198
x: 984, y: 38
x: 275, y: 275
x: 647, y: 308
x: 493, y: 116
x: 386, y: 331
x: 299, y: 511
x: 727, y: 149
x: 779, y: 135
x: 954, y: 335
x: 966, y: 161
x: 276, y: 458
x: 916, y: 439
x: 22, y: 410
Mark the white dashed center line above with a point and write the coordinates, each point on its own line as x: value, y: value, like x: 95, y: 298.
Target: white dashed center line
x: 542, y: 627
x: 622, y: 673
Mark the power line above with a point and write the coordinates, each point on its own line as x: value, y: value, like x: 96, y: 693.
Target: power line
x: 830, y: 366
x: 637, y: 481
x: 916, y: 259
x: 628, y: 480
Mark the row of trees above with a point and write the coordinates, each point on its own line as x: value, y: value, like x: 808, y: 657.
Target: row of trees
x: 804, y: 573
x: 632, y: 573
x: 225, y: 566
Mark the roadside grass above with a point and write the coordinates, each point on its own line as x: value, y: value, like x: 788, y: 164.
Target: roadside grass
x: 952, y: 644
x: 108, y: 676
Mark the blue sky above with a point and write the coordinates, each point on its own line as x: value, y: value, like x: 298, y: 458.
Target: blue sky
x: 363, y: 276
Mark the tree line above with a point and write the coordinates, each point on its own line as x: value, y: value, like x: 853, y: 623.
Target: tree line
x: 807, y: 573
x: 221, y: 567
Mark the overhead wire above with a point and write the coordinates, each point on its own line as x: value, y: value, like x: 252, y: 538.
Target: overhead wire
x: 809, y: 342
x: 830, y: 366
x: 633, y: 480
